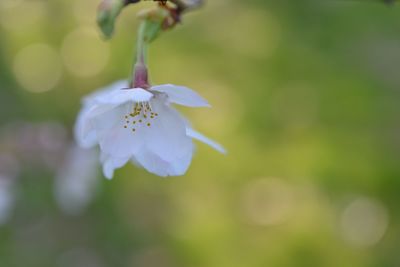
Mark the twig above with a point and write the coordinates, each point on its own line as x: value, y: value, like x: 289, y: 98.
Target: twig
x: 187, y: 5
x: 182, y: 5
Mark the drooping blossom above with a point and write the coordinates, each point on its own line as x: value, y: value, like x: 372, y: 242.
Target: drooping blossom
x: 141, y: 126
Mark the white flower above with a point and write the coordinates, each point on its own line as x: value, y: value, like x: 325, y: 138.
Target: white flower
x: 140, y: 126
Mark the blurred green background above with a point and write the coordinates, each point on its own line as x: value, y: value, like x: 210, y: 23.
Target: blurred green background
x: 305, y: 97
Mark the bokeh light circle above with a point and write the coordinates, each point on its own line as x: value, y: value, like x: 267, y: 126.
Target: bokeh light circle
x: 364, y: 222
x: 84, y: 53
x: 83, y: 11
x: 21, y: 16
x: 268, y: 201
x: 38, y: 68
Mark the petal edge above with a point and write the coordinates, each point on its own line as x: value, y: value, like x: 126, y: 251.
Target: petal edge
x: 200, y: 137
x: 181, y: 95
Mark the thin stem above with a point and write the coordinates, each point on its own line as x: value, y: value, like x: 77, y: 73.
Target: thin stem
x: 141, y: 50
x: 181, y: 4
x: 149, y: 29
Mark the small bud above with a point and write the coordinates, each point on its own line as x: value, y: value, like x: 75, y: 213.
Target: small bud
x: 108, y: 12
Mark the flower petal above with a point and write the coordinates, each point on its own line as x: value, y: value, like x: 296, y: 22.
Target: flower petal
x: 166, y: 134
x: 116, y: 140
x: 110, y: 164
x: 85, y: 134
x: 181, y: 95
x: 118, y: 97
x: 86, y: 129
x: 104, y: 92
x: 200, y: 137
x: 156, y: 165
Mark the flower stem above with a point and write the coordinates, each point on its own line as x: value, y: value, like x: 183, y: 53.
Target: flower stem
x: 149, y: 29
x: 153, y: 23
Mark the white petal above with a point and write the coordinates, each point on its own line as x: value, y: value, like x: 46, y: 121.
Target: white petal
x: 152, y: 163
x: 118, y: 97
x: 181, y: 95
x: 116, y: 140
x: 156, y: 165
x: 110, y: 164
x: 136, y: 162
x: 104, y: 92
x: 180, y: 165
x: 85, y: 134
x: 198, y: 136
x: 166, y: 137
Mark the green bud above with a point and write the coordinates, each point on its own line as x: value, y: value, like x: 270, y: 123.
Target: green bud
x: 107, y: 15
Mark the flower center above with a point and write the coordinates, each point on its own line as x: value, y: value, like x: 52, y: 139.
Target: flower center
x: 141, y: 113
